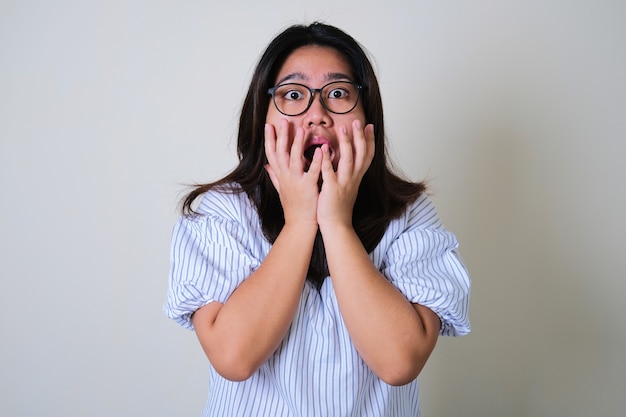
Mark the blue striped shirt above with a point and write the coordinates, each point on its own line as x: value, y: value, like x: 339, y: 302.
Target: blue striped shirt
x: 316, y: 370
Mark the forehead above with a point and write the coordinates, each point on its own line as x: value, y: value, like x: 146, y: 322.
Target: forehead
x: 314, y: 63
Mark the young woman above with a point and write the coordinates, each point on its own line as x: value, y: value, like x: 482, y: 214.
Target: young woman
x: 317, y: 280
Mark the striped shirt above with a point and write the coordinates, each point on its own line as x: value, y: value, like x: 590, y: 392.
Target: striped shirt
x: 316, y: 370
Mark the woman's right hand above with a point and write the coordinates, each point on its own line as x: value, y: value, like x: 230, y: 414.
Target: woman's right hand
x: 298, y: 190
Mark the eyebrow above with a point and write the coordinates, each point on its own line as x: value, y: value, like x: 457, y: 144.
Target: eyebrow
x: 299, y: 76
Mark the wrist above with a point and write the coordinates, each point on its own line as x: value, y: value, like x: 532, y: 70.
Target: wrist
x: 336, y: 228
x: 300, y: 227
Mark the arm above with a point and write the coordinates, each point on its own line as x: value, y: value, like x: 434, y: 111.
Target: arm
x: 241, y: 334
x: 393, y: 336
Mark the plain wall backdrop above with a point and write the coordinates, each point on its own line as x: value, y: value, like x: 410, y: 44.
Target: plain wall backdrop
x: 515, y: 111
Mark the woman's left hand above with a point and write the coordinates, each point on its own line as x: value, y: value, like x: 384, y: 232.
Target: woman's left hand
x: 340, y: 188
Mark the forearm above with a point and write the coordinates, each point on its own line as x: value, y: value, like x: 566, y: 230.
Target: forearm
x: 241, y: 334
x: 393, y: 336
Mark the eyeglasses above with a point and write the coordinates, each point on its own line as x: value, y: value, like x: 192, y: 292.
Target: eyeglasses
x: 293, y: 99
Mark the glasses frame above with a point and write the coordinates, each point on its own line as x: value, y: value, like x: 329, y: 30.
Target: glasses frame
x: 358, y: 87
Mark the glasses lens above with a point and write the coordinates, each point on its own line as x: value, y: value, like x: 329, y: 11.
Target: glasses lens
x: 292, y: 99
x: 340, y: 97
x: 337, y: 97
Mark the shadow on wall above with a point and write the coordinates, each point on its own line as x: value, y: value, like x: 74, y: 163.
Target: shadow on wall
x: 538, y: 341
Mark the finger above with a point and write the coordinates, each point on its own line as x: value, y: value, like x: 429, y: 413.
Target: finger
x: 346, y: 153
x: 370, y: 139
x: 297, y: 150
x: 363, y: 145
x: 328, y: 173
x: 316, y: 163
x: 360, y: 145
x: 270, y: 144
x: 282, y: 143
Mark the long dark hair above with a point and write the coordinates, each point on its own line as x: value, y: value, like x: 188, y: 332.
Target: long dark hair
x: 382, y: 195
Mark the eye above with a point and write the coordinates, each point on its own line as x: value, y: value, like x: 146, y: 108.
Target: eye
x: 291, y: 93
x: 338, y: 93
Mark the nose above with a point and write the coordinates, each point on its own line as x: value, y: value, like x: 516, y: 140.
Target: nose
x: 317, y: 113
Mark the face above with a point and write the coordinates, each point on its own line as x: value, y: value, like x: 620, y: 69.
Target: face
x: 314, y: 67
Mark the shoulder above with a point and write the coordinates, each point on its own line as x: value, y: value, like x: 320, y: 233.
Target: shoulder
x: 223, y: 210
x: 418, y: 231
x: 418, y: 217
x: 227, y: 201
x: 420, y: 214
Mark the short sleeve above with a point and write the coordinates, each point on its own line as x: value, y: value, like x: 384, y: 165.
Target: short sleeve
x: 424, y: 264
x: 209, y: 259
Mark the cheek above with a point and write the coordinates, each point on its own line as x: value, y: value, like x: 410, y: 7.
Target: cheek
x: 360, y: 114
x: 272, y: 116
x: 361, y: 117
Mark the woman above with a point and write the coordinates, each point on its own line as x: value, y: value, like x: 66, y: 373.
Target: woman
x: 317, y: 281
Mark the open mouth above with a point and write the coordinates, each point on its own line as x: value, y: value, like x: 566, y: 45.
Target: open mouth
x: 311, y: 146
x: 310, y: 151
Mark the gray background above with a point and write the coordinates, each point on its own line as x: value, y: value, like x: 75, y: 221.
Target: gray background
x: 515, y: 111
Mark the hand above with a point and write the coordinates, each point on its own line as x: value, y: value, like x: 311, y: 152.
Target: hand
x: 340, y: 189
x: 298, y: 190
